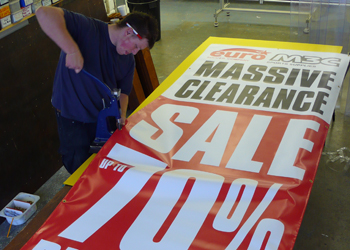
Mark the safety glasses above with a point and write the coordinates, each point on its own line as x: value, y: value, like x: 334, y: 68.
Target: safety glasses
x: 135, y: 32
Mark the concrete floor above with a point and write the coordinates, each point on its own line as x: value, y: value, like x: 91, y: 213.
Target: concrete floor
x: 184, y: 26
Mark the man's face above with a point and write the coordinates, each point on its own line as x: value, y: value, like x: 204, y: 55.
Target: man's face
x: 131, y: 44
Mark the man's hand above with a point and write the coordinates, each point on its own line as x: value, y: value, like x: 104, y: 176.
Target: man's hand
x: 121, y: 122
x: 75, y: 61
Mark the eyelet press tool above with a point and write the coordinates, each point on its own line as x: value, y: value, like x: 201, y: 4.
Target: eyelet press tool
x: 108, y: 118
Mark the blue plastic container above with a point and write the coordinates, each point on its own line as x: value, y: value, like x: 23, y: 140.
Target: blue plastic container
x: 25, y: 3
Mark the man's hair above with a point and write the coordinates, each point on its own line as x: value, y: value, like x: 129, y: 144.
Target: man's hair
x: 144, y: 24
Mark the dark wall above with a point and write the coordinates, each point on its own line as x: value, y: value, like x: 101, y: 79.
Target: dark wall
x: 28, y: 133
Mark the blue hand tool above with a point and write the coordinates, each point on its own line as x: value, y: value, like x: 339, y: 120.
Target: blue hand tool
x: 108, y: 118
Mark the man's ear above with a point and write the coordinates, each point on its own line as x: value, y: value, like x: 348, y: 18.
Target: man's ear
x: 128, y: 31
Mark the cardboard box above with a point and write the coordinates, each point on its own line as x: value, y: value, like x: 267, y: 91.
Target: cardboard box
x: 2, y: 2
x: 15, y: 6
x: 26, y: 11
x: 17, y: 16
x: 46, y: 2
x: 36, y: 4
x: 6, y: 21
x: 20, y: 209
x: 5, y: 10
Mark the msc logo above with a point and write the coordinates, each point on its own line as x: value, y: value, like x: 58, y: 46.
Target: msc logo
x: 331, y: 61
x: 241, y: 53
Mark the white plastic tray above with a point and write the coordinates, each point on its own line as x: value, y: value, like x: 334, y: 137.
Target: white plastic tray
x: 20, y: 209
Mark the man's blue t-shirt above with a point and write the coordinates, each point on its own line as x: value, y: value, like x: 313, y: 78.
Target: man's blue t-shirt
x: 78, y: 96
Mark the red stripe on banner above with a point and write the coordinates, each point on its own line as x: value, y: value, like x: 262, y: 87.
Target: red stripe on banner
x: 176, y: 209
x: 236, y: 203
x: 263, y: 245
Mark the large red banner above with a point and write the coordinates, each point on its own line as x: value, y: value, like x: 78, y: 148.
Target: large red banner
x: 225, y: 158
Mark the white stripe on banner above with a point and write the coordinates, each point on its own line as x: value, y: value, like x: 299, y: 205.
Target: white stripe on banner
x: 108, y: 206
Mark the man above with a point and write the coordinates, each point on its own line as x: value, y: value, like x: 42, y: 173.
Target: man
x: 104, y: 51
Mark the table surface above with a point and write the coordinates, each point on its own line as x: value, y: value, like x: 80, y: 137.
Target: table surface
x: 33, y: 226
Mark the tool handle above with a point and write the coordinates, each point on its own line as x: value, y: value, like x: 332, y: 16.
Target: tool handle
x: 105, y: 86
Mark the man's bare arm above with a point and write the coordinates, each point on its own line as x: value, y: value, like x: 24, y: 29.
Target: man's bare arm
x: 123, y: 100
x: 52, y: 22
